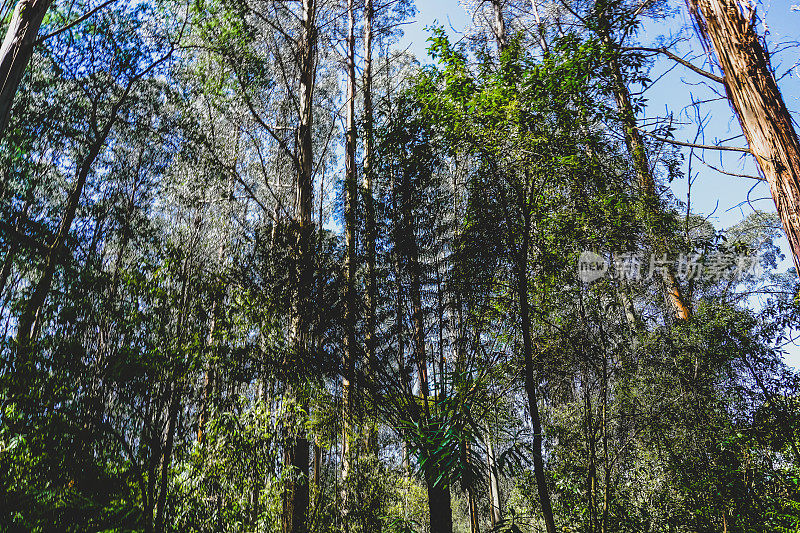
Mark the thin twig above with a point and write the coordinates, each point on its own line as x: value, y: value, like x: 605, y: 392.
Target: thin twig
x: 677, y: 58
x: 692, y: 145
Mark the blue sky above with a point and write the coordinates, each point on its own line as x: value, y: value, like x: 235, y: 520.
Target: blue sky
x: 715, y: 195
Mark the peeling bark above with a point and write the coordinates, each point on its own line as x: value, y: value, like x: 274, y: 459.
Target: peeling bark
x: 754, y: 95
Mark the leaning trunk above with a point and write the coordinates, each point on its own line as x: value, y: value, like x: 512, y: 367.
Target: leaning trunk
x: 16, y: 52
x: 754, y: 95
x: 28, y: 321
x: 647, y: 188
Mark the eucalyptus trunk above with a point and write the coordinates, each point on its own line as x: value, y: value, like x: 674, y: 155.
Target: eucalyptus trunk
x: 647, y: 186
x: 350, y: 199
x: 16, y: 51
x: 754, y: 95
x: 296, y: 452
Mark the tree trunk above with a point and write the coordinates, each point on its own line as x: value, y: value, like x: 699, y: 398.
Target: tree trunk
x: 753, y: 93
x: 154, y: 446
x: 172, y: 419
x: 530, y: 382
x: 11, y: 252
x: 350, y: 199
x: 439, y: 504
x: 28, y: 322
x: 369, y: 206
x: 499, y: 25
x: 296, y: 453
x: 469, y: 484
x: 647, y: 187
x: 540, y: 28
x: 495, y: 510
x: 591, y: 473
x: 16, y: 51
x: 372, y: 521
x: 296, y: 496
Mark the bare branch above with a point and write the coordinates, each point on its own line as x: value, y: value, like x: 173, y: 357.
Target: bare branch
x: 74, y: 23
x: 693, y: 145
x: 712, y: 167
x: 677, y: 58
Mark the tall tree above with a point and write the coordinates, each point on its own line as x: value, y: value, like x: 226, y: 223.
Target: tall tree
x: 296, y: 495
x: 754, y: 95
x: 648, y: 192
x: 17, y: 49
x: 350, y: 349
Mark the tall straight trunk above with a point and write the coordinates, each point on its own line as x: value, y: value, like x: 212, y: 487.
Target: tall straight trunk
x: 439, y: 501
x: 591, y: 474
x: 16, y: 51
x: 296, y: 453
x: 317, y: 468
x: 372, y: 521
x: 297, y: 495
x: 495, y: 511
x: 499, y: 25
x: 154, y: 446
x: 606, y: 459
x: 530, y: 381
x: 350, y: 199
x: 469, y: 483
x: 369, y: 206
x: 754, y: 95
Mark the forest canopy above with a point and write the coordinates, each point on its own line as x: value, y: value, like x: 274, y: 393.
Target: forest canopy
x: 262, y: 269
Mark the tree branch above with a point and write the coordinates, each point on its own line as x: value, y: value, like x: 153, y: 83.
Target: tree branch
x: 74, y: 23
x: 693, y: 145
x: 687, y: 64
x: 734, y: 174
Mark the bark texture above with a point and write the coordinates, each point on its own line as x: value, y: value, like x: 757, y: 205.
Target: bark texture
x: 16, y: 51
x: 296, y: 454
x: 350, y: 266
x: 753, y: 93
x: 644, y: 174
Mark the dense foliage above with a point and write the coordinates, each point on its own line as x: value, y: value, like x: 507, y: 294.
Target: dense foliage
x: 186, y: 346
